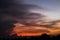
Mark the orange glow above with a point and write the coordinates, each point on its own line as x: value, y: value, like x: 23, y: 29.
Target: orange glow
x: 23, y: 30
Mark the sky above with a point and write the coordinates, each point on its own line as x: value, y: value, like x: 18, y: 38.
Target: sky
x: 51, y: 7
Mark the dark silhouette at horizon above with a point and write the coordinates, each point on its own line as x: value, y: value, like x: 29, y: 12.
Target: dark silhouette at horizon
x: 42, y: 37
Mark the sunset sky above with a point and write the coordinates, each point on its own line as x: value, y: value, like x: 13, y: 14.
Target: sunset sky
x: 51, y: 9
x: 29, y: 17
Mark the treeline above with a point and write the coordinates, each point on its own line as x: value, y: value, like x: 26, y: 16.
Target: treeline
x: 42, y: 37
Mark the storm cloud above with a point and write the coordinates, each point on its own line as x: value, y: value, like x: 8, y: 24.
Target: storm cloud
x: 11, y: 12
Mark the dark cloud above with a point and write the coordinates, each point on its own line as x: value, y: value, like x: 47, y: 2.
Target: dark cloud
x: 23, y: 11
x: 11, y: 12
x: 6, y: 23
